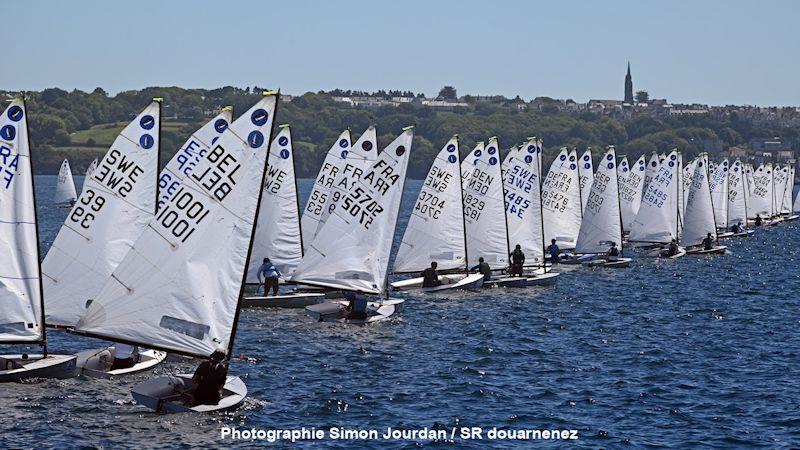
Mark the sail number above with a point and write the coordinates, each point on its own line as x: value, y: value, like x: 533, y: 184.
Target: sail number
x: 473, y: 206
x: 182, y: 214
x: 517, y: 205
x: 84, y: 213
x: 429, y: 205
x: 316, y: 202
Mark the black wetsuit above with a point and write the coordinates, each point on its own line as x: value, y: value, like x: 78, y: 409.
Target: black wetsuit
x: 430, y: 278
x: 209, y: 379
x: 517, y: 261
x: 708, y: 243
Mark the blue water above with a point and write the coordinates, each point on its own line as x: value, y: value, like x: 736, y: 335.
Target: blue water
x: 683, y: 354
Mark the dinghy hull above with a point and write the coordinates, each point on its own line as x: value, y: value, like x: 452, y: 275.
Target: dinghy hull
x: 507, y: 282
x: 159, y: 394
x: 336, y: 311
x: 719, y: 249
x: 449, y: 282
x: 617, y: 263
x: 546, y: 279
x: 54, y: 366
x: 298, y: 300
x: 97, y: 362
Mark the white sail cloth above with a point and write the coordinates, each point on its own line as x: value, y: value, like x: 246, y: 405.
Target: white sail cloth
x: 737, y: 195
x: 761, y: 201
x: 561, y: 203
x: 65, y: 185
x: 631, y: 182
x: 115, y: 206
x: 435, y: 230
x: 699, y: 220
x: 602, y: 223
x: 277, y: 235
x: 178, y: 288
x: 352, y: 250
x: 657, y: 219
x: 20, y: 294
x: 585, y: 176
x: 522, y: 181
x: 718, y: 182
x: 89, y: 171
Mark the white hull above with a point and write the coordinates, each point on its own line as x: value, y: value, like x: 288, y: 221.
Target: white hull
x: 449, y: 282
x: 725, y: 234
x: 97, y: 362
x: 791, y: 217
x: 609, y: 263
x: 507, y: 282
x: 336, y: 311
x: 545, y: 279
x: 662, y: 253
x: 153, y: 393
x: 718, y: 249
x: 54, y: 366
x: 297, y: 300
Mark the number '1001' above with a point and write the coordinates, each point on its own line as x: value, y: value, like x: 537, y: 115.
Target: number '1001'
x: 183, y: 203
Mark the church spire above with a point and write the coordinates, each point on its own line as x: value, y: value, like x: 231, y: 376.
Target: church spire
x: 628, y: 86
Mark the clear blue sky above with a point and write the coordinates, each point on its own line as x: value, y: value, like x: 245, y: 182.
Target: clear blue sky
x: 716, y: 52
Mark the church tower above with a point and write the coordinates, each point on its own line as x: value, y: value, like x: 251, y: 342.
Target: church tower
x: 628, y: 86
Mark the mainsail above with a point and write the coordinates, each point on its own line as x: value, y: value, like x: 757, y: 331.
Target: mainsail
x: 561, y: 201
x: 585, y: 175
x: 657, y: 219
x: 484, y: 207
x: 278, y: 234
x: 786, y: 203
x: 115, y: 206
x: 89, y: 171
x: 320, y: 193
x: 435, y: 230
x: 602, y: 223
x: 65, y: 185
x: 718, y: 182
x: 699, y: 218
x: 523, y: 202
x: 178, y: 288
x: 352, y: 250
x: 631, y: 182
x: 761, y: 193
x: 193, y: 150
x: 652, y: 168
x: 20, y: 282
x: 737, y: 195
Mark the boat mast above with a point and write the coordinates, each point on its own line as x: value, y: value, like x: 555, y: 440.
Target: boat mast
x: 710, y: 197
x: 394, y: 226
x: 505, y: 205
x: 619, y: 205
x: 539, y: 151
x: 158, y: 153
x: 36, y: 224
x: 277, y: 95
x: 678, y: 185
x: 296, y: 191
x: 463, y: 219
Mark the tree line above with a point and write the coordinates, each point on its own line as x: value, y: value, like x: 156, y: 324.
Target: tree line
x: 316, y: 120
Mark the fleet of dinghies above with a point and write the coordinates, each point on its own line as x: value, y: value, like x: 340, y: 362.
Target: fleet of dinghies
x: 161, y: 259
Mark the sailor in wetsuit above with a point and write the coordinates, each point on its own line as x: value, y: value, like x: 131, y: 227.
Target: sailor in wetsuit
x: 517, y: 261
x: 708, y: 242
x: 357, y: 306
x: 554, y: 251
x: 209, y: 380
x: 430, y: 276
x: 483, y: 268
x: 613, y: 252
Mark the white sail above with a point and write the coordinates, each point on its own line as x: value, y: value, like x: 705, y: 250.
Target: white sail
x: 737, y: 195
x: 749, y: 180
x: 699, y: 219
x: 362, y: 153
x: 561, y: 201
x: 652, y: 168
x: 585, y: 175
x: 20, y: 292
x: 522, y: 183
x: 65, y: 185
x: 484, y: 206
x: 761, y: 193
x: 320, y: 193
x: 602, y: 222
x: 189, y: 155
x: 657, y: 219
x: 718, y: 182
x: 786, y: 202
x: 781, y: 180
x: 178, y: 288
x: 352, y: 250
x: 435, y: 230
x: 277, y: 235
x: 89, y: 171
x: 631, y: 182
x: 115, y: 206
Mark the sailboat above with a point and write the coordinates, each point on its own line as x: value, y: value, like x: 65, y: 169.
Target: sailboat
x: 65, y: 194
x: 718, y: 183
x: 484, y: 212
x: 761, y: 202
x: 351, y: 251
x: 585, y: 176
x: 737, y: 198
x: 179, y: 287
x: 318, y: 200
x: 561, y: 201
x: 522, y: 182
x: 656, y: 222
x: 699, y: 221
x: 22, y: 314
x: 651, y: 169
x: 89, y: 171
x: 602, y: 220
x: 631, y: 182
x: 278, y: 236
x: 436, y: 229
x: 786, y: 203
x: 115, y: 206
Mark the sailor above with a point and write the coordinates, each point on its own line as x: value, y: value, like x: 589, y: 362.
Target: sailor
x: 759, y: 220
x: 125, y: 356
x: 613, y: 252
x: 708, y: 242
x: 357, y: 308
x: 672, y: 249
x: 208, y: 380
x: 430, y: 277
x: 483, y: 267
x: 554, y: 251
x: 736, y: 228
x: 270, y: 274
x: 517, y: 261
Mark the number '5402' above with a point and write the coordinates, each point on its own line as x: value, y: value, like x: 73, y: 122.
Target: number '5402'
x: 90, y: 203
